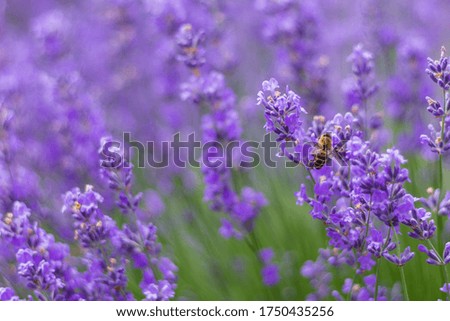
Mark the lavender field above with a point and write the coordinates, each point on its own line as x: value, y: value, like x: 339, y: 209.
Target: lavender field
x: 224, y: 150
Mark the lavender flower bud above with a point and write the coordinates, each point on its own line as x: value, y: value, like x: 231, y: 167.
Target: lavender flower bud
x: 446, y: 256
x: 282, y: 111
x: 434, y: 107
x: 445, y: 288
x: 8, y: 294
x: 433, y: 258
x: 190, y: 43
x: 404, y: 258
x: 438, y: 71
x: 420, y: 222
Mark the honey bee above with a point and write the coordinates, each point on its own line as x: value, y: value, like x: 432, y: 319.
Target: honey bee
x: 323, y: 152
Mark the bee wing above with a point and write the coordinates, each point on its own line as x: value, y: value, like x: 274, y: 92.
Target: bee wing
x: 339, y: 159
x: 338, y: 151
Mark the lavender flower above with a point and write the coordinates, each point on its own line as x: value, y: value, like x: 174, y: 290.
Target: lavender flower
x: 432, y: 202
x: 38, y: 273
x: 420, y: 222
x: 406, y: 90
x: 7, y: 294
x: 363, y: 87
x: 138, y: 240
x: 40, y: 259
x: 437, y: 144
x: 366, y: 292
x: 270, y: 271
x: 92, y: 228
x: 294, y: 30
x: 445, y: 288
x: 190, y: 43
x: 438, y: 71
x: 282, y: 111
x: 434, y: 107
x: 446, y: 255
x: 363, y: 69
x: 433, y: 257
x: 19, y: 183
x: 378, y: 246
x: 270, y: 274
x: 221, y: 124
x: 349, y: 200
x: 51, y: 33
x: 319, y: 277
x: 402, y: 259
x: 159, y: 291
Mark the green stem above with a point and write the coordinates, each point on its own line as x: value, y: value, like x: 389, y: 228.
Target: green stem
x: 255, y: 241
x: 312, y: 177
x: 402, y: 272
x: 445, y: 277
x: 255, y: 247
x: 250, y: 245
x: 439, y: 228
x: 440, y: 220
x: 363, y: 244
x: 367, y: 222
x: 377, y: 273
x: 365, y: 122
x: 349, y: 295
x: 441, y: 175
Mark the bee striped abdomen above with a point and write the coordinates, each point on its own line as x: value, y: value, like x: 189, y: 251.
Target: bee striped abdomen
x: 320, y: 158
